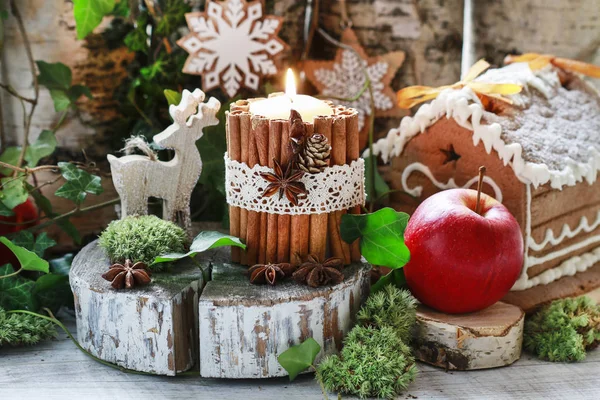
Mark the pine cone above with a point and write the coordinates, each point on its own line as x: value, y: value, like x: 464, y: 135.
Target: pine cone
x: 314, y: 154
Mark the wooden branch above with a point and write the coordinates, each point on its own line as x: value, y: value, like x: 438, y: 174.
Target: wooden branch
x: 74, y: 212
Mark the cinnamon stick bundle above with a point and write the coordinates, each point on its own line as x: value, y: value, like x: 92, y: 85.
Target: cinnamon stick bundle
x: 284, y: 221
x: 245, y: 127
x: 339, y: 248
x: 318, y: 222
x: 260, y: 129
x: 234, y: 149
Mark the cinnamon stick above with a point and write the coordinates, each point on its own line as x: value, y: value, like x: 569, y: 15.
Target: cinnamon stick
x: 339, y: 248
x: 284, y: 221
x: 261, y: 135
x: 245, y: 130
x: 352, y: 153
x: 234, y: 148
x: 275, y: 128
x: 300, y: 230
x: 318, y: 221
x: 253, y: 229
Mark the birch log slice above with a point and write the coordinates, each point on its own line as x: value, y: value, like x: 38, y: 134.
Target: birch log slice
x: 245, y: 327
x: 485, y: 339
x: 151, y: 329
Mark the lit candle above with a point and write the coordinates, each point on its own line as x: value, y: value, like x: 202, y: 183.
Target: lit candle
x: 278, y: 107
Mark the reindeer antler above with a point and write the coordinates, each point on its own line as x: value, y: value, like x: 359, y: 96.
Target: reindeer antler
x: 187, y: 106
x: 207, y: 113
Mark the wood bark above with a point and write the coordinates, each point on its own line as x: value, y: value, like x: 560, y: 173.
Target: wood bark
x: 244, y: 327
x: 151, y: 329
x: 485, y: 339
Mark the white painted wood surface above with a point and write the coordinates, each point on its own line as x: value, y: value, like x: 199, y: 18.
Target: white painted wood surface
x: 245, y: 327
x: 151, y: 329
x: 57, y: 370
x: 486, y: 339
x: 137, y: 178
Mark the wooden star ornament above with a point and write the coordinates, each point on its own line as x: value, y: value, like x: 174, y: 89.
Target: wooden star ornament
x: 232, y: 44
x: 344, y: 78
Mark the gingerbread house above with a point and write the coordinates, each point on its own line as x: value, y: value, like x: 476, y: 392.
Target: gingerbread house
x: 542, y: 154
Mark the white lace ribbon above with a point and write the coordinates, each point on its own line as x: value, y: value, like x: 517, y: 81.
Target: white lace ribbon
x: 336, y: 188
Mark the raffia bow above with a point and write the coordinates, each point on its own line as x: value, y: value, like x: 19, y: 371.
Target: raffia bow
x: 413, y: 95
x: 538, y: 61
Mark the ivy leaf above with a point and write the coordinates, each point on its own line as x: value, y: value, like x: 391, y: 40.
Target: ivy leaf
x: 89, y: 13
x: 173, y: 97
x: 53, y: 291
x: 13, y: 192
x: 54, y: 76
x: 79, y: 183
x: 381, y: 236
x: 121, y: 9
x: 16, y: 291
x: 374, y: 181
x: 10, y: 156
x: 42, y: 147
x: 67, y: 226
x: 299, y: 357
x: 204, y: 241
x: 76, y: 91
x: 26, y: 240
x: 5, y: 211
x: 394, y: 277
x: 29, y: 260
x: 60, y: 99
x: 61, y: 265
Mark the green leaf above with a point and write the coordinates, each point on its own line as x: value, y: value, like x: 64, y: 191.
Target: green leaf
x: 121, y: 9
x: 394, y: 277
x: 13, y: 192
x: 173, y: 97
x: 42, y: 147
x: 24, y: 239
x: 374, y: 179
x: 61, y: 265
x: 67, y: 226
x: 381, y: 236
x: 79, y: 183
x: 76, y: 91
x: 61, y: 99
x: 89, y: 13
x: 43, y: 242
x: 204, y: 241
x: 299, y: 357
x: 137, y: 39
x: 5, y: 211
x: 10, y: 156
x: 29, y: 260
x: 16, y: 291
x: 53, y: 291
x: 54, y: 76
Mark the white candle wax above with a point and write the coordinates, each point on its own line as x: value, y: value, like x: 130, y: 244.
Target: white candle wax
x: 278, y: 107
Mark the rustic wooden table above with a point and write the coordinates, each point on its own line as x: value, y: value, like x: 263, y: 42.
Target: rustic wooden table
x: 57, y: 370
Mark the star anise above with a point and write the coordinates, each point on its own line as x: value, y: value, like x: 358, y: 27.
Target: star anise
x: 297, y: 132
x: 287, y: 183
x: 315, y: 273
x: 127, y: 274
x: 269, y: 273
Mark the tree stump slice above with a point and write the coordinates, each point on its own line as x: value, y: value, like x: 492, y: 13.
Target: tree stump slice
x: 152, y: 328
x: 245, y: 327
x: 485, y: 339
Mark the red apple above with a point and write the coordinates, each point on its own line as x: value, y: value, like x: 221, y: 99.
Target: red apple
x: 462, y: 261
x: 22, y: 213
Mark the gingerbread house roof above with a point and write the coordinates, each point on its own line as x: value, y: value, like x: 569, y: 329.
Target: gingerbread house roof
x: 550, y: 134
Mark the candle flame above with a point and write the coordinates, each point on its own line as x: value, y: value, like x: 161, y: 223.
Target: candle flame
x: 290, y: 84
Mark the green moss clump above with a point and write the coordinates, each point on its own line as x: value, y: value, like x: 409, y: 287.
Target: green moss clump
x: 142, y: 238
x: 24, y: 329
x: 390, y: 307
x: 376, y: 360
x: 564, y: 330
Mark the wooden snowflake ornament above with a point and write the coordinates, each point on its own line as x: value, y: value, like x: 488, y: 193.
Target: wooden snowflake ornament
x: 232, y: 44
x: 344, y: 78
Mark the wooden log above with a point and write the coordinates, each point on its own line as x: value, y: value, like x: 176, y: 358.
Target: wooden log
x: 152, y: 328
x: 485, y: 339
x: 244, y: 327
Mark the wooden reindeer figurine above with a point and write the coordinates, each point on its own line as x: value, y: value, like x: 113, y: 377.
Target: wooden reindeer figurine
x: 137, y: 178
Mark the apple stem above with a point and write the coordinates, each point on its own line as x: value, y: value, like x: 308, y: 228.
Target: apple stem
x: 479, y: 186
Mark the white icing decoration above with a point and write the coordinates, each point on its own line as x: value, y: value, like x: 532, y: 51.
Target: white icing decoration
x: 466, y: 109
x: 451, y: 184
x: 566, y: 232
x: 336, y: 188
x: 531, y: 261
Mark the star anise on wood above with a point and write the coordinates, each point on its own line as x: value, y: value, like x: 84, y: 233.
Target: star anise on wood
x: 287, y: 183
x: 269, y: 273
x: 127, y: 274
x: 315, y: 273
